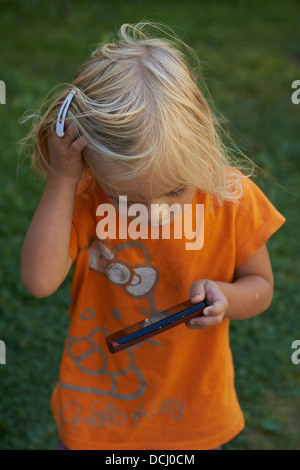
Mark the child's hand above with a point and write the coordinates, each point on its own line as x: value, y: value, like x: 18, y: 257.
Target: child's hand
x: 216, y: 300
x: 65, y: 153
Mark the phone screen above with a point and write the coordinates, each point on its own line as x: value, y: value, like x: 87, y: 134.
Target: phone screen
x: 154, y: 324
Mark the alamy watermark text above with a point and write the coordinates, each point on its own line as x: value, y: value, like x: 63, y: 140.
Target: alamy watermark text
x: 2, y: 92
x: 2, y: 352
x: 160, y: 217
x: 296, y: 354
x: 296, y: 94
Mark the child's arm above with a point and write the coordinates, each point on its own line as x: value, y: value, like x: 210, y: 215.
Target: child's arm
x: 248, y: 295
x: 45, y: 261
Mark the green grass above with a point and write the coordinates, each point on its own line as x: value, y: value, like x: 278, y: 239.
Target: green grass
x: 250, y: 56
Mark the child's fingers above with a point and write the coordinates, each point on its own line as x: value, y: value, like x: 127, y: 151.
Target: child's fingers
x: 199, y: 323
x: 75, y: 143
x: 67, y: 123
x: 77, y: 146
x: 197, y: 291
x: 217, y: 308
x: 70, y: 134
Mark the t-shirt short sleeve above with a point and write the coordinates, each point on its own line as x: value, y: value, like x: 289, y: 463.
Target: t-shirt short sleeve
x: 80, y: 208
x: 73, y: 245
x: 256, y: 220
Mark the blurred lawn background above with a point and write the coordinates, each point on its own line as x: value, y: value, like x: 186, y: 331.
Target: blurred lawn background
x: 250, y: 55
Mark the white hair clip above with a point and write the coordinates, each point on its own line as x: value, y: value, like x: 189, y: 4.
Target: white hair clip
x: 62, y: 114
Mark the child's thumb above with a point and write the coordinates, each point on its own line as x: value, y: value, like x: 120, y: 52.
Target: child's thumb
x: 197, y: 292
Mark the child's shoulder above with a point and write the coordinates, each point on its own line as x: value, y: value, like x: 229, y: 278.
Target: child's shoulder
x: 253, y: 203
x: 88, y: 189
x: 88, y: 195
x: 239, y: 189
x: 248, y: 187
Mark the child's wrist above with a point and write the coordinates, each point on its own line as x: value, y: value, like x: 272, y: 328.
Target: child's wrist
x: 59, y: 180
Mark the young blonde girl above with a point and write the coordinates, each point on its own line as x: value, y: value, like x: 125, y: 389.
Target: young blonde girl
x: 137, y: 125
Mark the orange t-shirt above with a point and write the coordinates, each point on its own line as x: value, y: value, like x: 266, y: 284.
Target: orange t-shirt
x: 175, y: 390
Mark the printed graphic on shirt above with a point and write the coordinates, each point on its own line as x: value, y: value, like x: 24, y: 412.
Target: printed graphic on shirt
x: 90, y: 357
x: 137, y: 280
x: 110, y: 415
x: 140, y: 281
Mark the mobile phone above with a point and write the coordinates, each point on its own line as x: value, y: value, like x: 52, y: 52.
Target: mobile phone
x: 154, y: 325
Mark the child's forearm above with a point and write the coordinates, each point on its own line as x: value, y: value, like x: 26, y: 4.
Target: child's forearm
x: 44, y: 259
x: 247, y: 296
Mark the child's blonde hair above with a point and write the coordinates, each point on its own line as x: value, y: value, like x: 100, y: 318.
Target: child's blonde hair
x: 138, y: 103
